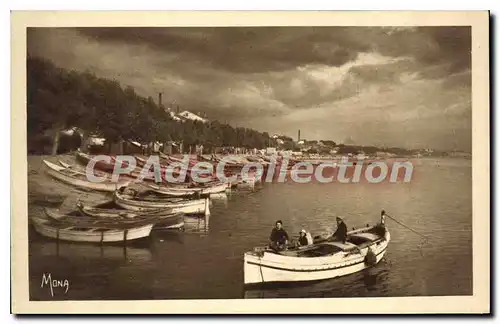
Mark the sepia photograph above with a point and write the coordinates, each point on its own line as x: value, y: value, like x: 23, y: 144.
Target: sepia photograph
x: 342, y: 158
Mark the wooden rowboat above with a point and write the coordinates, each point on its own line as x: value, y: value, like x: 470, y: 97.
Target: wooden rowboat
x: 164, y: 218
x: 77, y: 168
x: 109, y: 167
x: 324, y: 259
x: 215, y: 188
x: 56, y: 215
x: 101, y: 233
x: 108, y: 210
x: 84, y: 159
x: 186, y: 206
x: 175, y: 191
x: 178, y: 191
x: 79, y: 179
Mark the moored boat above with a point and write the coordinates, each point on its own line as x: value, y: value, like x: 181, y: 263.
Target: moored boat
x: 85, y: 159
x: 102, y: 233
x: 217, y: 188
x: 81, y: 169
x: 108, y: 209
x: 175, y: 191
x: 163, y: 218
x: 179, y: 191
x: 73, y: 218
x: 137, y: 203
x: 79, y: 179
x: 324, y: 259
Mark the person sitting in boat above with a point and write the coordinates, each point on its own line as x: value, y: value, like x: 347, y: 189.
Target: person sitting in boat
x: 305, y: 238
x: 279, y: 237
x: 341, y: 232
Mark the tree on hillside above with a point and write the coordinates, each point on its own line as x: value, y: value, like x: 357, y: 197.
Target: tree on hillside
x: 59, y: 99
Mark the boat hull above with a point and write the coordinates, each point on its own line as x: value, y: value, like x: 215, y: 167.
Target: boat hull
x: 270, y: 267
x: 175, y: 192
x: 88, y: 235
x: 196, y: 206
x: 180, y: 191
x: 175, y: 222
x: 217, y: 189
x: 98, y: 186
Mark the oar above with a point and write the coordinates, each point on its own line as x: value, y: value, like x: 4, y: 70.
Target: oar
x: 404, y: 225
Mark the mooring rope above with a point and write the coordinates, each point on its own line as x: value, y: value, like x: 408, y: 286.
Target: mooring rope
x: 406, y: 226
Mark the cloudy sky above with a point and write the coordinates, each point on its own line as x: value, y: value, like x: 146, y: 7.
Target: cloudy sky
x: 407, y: 87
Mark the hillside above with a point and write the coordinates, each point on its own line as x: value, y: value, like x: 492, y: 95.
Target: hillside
x: 59, y: 99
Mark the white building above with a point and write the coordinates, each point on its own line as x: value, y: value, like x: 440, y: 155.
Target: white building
x: 191, y: 116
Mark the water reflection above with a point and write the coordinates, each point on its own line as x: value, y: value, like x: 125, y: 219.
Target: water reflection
x: 196, y: 224
x: 369, y: 282
x: 47, y: 248
x: 219, y: 199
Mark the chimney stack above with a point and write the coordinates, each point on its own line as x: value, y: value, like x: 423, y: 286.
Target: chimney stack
x: 159, y: 99
x: 299, y: 136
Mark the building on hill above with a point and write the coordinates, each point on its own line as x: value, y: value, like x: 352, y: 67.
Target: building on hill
x: 382, y: 154
x: 460, y: 154
x: 191, y: 116
x: 172, y: 115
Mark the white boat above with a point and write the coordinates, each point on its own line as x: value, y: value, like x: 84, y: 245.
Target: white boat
x: 161, y: 217
x: 178, y: 191
x: 79, y: 179
x: 215, y: 189
x: 95, y: 234
x: 326, y: 259
x: 80, y: 169
x: 108, y: 210
x: 176, y: 205
x: 174, y: 191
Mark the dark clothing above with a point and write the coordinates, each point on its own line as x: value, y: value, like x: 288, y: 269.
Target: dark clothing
x: 303, y: 240
x: 341, y: 232
x: 278, y: 236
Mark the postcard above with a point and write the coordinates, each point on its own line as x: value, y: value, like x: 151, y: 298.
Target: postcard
x: 250, y: 162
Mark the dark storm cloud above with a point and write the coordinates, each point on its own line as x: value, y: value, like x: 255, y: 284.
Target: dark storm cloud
x: 261, y: 49
x: 248, y: 49
x: 446, y: 47
x: 453, y: 45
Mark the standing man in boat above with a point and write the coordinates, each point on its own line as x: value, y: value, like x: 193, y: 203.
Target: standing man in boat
x: 341, y: 232
x: 279, y: 237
